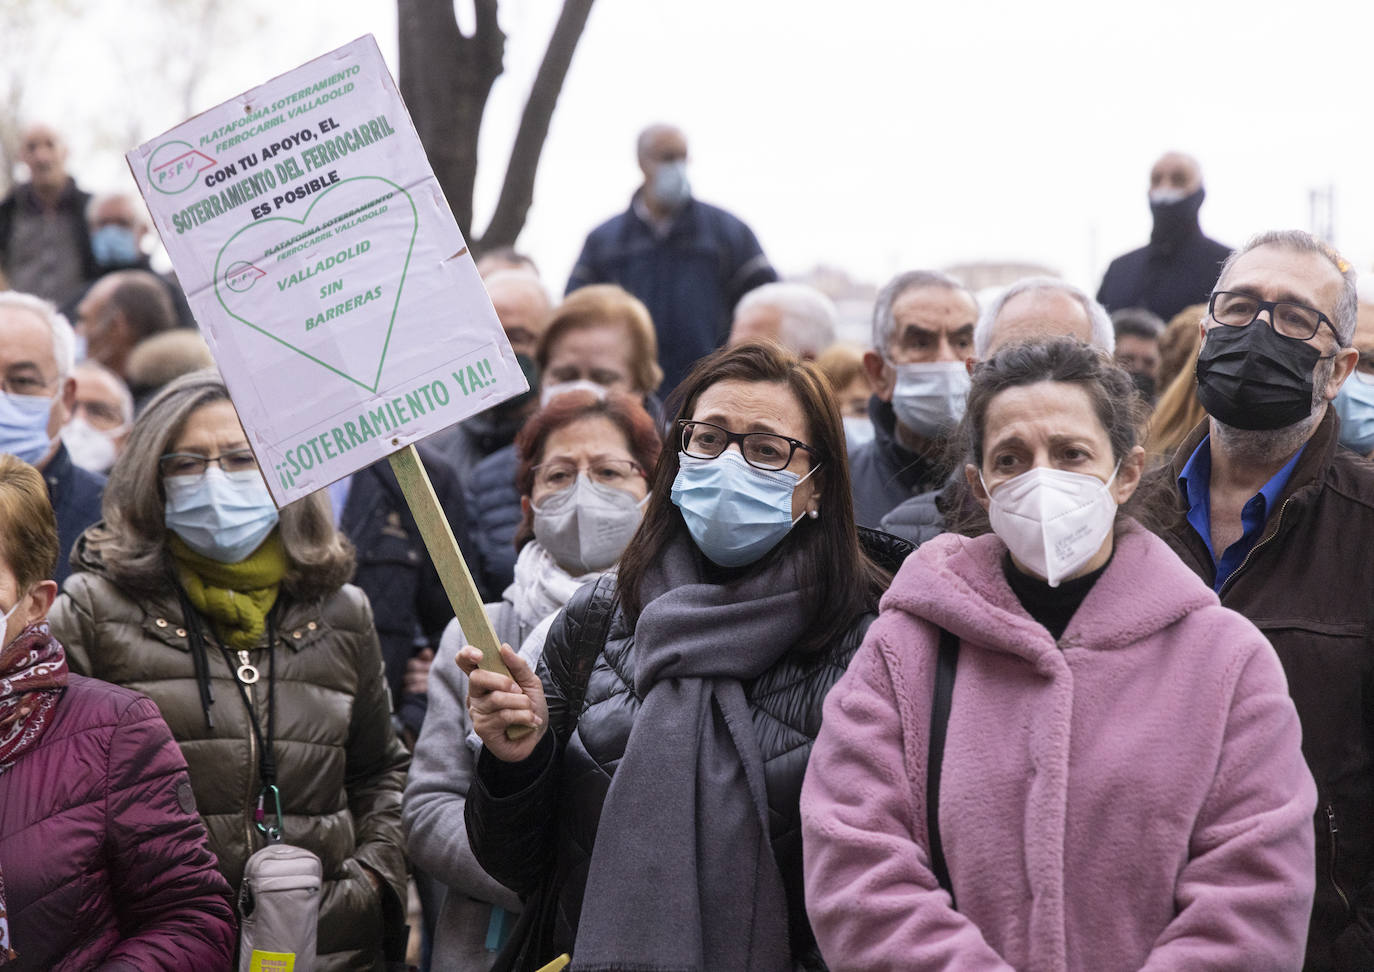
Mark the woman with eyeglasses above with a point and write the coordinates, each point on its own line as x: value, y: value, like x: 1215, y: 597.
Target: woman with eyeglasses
x: 650, y: 819
x: 583, y: 479
x: 236, y: 619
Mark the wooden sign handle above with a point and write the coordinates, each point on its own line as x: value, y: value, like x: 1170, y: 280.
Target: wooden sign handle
x: 448, y: 560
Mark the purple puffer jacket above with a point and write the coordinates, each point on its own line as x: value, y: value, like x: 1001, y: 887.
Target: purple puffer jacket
x: 104, y: 858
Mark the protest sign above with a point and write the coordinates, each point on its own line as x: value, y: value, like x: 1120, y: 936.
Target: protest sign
x: 332, y: 284
x: 326, y: 270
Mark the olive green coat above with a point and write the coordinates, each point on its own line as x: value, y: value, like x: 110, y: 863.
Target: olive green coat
x: 340, y: 767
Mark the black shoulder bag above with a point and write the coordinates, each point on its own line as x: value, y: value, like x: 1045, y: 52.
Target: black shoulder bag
x: 945, y: 667
x: 530, y: 944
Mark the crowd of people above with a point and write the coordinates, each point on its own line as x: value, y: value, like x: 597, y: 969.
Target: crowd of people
x: 1035, y: 634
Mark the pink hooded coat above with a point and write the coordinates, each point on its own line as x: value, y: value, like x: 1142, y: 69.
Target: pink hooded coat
x: 1131, y: 797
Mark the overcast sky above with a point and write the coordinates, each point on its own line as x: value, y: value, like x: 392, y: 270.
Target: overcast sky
x: 879, y: 136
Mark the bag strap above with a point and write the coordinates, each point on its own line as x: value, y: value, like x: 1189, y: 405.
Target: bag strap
x: 591, y: 638
x: 945, y: 667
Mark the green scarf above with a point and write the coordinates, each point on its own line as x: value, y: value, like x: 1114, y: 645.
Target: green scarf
x: 235, y: 597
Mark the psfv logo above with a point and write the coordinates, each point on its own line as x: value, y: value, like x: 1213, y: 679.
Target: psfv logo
x: 173, y: 166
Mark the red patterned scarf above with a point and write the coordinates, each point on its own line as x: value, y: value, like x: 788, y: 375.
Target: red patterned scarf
x: 33, y: 673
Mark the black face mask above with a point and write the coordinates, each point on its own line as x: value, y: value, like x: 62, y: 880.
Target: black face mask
x: 1145, y: 385
x: 1176, y: 221
x: 1254, y: 378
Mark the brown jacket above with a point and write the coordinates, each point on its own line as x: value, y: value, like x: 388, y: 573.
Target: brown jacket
x: 1308, y: 584
x: 340, y: 768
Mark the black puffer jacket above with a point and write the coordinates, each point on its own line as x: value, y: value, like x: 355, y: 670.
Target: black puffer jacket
x: 525, y: 818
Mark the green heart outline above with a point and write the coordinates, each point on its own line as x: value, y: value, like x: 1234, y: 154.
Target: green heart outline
x: 405, y: 269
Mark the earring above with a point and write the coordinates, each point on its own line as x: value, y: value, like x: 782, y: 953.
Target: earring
x: 814, y: 514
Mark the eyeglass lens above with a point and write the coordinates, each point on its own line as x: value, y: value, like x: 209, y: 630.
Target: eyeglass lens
x: 762, y: 449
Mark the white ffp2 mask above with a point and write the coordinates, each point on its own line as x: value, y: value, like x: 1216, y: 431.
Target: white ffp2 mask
x: 1052, y: 520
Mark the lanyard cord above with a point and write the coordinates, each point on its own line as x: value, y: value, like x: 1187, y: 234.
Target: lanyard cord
x: 267, y: 757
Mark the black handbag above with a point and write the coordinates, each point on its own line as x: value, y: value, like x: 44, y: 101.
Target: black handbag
x: 530, y: 946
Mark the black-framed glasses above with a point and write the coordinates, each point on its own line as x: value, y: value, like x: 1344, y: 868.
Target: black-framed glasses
x: 762, y: 450
x: 194, y: 464
x: 1297, y: 321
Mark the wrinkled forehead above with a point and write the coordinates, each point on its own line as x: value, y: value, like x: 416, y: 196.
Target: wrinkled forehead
x: 1276, y: 272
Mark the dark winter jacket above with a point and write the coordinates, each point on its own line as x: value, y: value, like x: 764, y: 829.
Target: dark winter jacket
x: 929, y: 514
x: 75, y: 494
x: 493, y: 508
x: 1308, y: 585
x: 104, y: 858
x: 883, y: 473
x: 409, y: 605
x: 543, y: 813
x: 340, y: 767
x: 690, y: 279
x: 1177, y: 268
x: 72, y: 208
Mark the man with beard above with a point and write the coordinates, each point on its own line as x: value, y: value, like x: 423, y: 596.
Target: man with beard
x: 1179, y: 264
x: 1264, y: 506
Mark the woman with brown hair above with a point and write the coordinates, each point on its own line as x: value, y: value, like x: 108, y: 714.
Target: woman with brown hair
x: 237, y: 620
x: 676, y: 702
x: 599, y: 339
x: 583, y: 479
x: 1177, y: 412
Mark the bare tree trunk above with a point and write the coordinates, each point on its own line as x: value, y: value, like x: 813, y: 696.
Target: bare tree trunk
x: 517, y: 190
x: 446, y: 78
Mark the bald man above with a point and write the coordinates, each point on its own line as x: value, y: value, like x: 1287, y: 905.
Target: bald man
x: 1179, y: 265
x: 688, y: 261
x: 45, y: 249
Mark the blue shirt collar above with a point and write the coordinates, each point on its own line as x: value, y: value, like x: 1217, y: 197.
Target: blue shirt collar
x: 1194, y: 483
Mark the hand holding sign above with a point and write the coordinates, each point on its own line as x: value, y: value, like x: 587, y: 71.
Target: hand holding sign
x: 332, y: 284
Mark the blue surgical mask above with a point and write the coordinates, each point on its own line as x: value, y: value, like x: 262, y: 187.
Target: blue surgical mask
x: 1355, y: 406
x: 114, y: 246
x: 670, y: 185
x: 220, y: 515
x: 858, y: 431
x: 24, y: 426
x: 734, y: 512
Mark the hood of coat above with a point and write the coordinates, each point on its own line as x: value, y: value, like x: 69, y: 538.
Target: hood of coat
x: 957, y: 582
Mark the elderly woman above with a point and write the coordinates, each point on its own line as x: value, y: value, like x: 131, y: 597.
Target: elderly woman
x: 583, y: 479
x: 676, y: 702
x: 1056, y: 750
x: 237, y: 622
x: 103, y: 861
x: 600, y: 338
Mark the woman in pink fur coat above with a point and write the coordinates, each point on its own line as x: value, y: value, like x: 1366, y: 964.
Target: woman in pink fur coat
x: 1121, y: 785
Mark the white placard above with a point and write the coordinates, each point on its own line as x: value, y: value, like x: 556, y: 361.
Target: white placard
x: 326, y: 270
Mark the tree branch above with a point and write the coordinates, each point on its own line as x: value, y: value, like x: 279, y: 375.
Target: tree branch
x: 517, y: 189
x: 445, y: 79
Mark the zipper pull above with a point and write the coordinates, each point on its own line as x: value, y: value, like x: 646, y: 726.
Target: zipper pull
x: 247, y: 673
x: 258, y: 815
x: 1331, y: 819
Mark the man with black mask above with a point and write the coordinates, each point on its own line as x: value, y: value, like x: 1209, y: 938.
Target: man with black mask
x: 1178, y: 266
x: 1264, y: 506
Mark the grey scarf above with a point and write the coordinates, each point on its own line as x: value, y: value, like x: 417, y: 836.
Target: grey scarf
x: 682, y: 876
